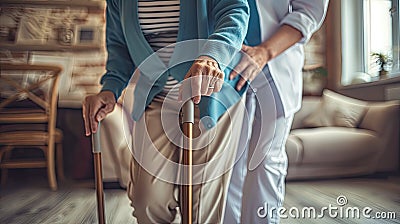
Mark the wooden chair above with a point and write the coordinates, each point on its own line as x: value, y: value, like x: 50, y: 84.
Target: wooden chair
x: 28, y: 109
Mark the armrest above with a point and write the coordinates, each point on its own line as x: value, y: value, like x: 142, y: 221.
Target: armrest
x: 381, y: 117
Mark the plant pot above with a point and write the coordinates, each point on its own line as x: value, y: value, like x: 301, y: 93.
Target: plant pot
x: 383, y: 73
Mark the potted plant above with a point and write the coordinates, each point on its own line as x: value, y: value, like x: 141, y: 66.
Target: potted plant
x: 383, y: 60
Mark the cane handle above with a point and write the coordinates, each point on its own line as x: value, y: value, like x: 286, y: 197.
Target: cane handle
x: 96, y: 146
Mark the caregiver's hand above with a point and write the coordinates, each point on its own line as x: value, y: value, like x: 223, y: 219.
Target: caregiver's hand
x: 251, y: 64
x: 95, y: 108
x: 205, y: 77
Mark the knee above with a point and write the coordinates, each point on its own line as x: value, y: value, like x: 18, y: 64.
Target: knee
x: 150, y: 194
x: 152, y: 203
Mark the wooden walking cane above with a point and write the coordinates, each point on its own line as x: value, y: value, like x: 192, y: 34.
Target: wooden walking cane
x: 96, y: 149
x: 187, y: 190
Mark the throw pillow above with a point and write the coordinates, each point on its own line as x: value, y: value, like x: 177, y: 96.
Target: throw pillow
x: 336, y: 110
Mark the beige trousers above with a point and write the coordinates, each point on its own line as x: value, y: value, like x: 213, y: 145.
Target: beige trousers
x: 154, y: 173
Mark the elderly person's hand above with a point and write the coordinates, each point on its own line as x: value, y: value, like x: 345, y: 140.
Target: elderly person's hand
x: 95, y: 108
x: 253, y: 61
x: 205, y: 77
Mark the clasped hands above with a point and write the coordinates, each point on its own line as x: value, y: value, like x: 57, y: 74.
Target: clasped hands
x: 206, y: 77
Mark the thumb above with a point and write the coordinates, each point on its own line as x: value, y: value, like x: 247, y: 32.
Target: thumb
x: 102, y: 113
x: 245, y: 47
x: 109, y: 107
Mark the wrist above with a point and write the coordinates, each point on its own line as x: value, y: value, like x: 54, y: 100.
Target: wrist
x: 107, y: 93
x: 206, y: 58
x: 268, y: 51
x: 209, y: 61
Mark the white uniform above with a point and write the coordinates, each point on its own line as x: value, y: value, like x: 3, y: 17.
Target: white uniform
x: 258, y: 188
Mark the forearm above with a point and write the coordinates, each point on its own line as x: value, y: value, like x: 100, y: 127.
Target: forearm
x: 119, y: 64
x: 285, y: 37
x: 230, y: 25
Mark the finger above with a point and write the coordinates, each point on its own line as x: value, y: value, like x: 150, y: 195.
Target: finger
x: 244, y: 78
x: 253, y: 74
x: 241, y: 83
x: 93, y: 109
x: 195, y: 83
x: 183, y: 85
x: 248, y: 76
x: 218, y: 85
x: 245, y: 47
x: 219, y: 82
x: 212, y: 84
x: 85, y: 113
x: 185, y: 89
x: 235, y: 72
x: 219, y: 74
x: 109, y: 107
x: 102, y: 113
x: 239, y: 67
x: 209, y: 91
x: 213, y: 79
x: 206, y: 84
x: 245, y: 72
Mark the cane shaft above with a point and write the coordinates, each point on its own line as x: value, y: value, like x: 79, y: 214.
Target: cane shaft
x: 187, y: 189
x: 99, y: 187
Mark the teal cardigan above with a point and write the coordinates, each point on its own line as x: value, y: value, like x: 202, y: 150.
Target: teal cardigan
x: 215, y: 28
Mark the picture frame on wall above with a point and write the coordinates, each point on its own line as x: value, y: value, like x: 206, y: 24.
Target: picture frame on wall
x: 88, y: 35
x: 29, y: 32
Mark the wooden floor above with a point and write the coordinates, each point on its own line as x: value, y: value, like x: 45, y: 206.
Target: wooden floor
x: 30, y: 201
x: 381, y: 194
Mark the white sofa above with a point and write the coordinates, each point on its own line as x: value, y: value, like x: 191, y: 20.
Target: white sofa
x: 332, y: 151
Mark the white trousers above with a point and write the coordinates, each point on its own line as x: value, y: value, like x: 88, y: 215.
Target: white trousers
x: 258, y: 180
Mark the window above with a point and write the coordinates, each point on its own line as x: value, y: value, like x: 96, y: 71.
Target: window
x: 369, y: 26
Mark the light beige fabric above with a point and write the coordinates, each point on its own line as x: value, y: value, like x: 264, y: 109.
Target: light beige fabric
x: 336, y: 145
x: 294, y: 150
x: 336, y: 110
x: 322, y: 152
x: 383, y: 119
x: 154, y: 170
x: 116, y: 138
x: 115, y: 143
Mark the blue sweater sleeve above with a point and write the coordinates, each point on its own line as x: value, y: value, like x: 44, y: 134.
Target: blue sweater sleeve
x: 230, y: 27
x: 119, y: 66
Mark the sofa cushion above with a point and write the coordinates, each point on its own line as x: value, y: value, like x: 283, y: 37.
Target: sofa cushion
x: 336, y: 110
x: 308, y: 105
x: 337, y: 145
x: 294, y: 149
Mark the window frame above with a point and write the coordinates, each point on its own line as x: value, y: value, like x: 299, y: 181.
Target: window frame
x: 396, y: 35
x: 355, y: 53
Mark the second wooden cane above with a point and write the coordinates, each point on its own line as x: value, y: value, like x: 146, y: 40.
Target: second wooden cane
x: 96, y: 148
x: 187, y: 188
